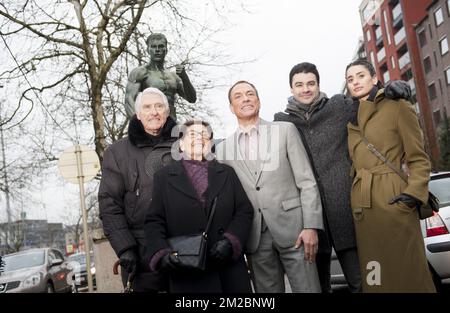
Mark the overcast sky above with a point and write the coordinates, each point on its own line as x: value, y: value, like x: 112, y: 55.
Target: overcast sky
x: 283, y: 33
x: 278, y: 34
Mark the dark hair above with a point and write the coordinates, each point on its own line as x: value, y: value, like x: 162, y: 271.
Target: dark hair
x: 367, y: 65
x: 241, y: 82
x: 304, y: 67
x: 189, y: 123
x: 156, y: 36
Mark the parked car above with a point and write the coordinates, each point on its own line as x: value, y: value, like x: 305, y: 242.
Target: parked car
x: 36, y: 270
x: 77, y: 263
x: 435, y: 231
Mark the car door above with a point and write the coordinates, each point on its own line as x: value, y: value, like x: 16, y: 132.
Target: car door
x: 56, y: 272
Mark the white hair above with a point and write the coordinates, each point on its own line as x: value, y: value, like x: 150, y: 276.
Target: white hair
x: 151, y: 90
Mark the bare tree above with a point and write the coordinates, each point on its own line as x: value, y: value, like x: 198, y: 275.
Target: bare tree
x: 76, y: 55
x: 74, y: 221
x: 12, y: 236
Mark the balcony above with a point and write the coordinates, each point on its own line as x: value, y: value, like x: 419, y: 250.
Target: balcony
x: 397, y: 15
x: 399, y: 36
x: 404, y: 60
x: 381, y: 55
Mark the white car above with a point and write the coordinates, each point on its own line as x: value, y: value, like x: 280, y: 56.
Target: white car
x: 435, y: 230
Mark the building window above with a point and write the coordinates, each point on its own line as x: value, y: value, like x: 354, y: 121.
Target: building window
x: 386, y: 77
x: 381, y: 55
x: 368, y: 37
x: 393, y: 62
x: 437, y: 117
x: 431, y: 33
x: 422, y: 38
x: 372, y: 58
x: 435, y: 59
x: 427, y: 65
x: 378, y: 33
x: 443, y: 44
x: 439, y: 17
x: 432, y: 91
x: 447, y: 75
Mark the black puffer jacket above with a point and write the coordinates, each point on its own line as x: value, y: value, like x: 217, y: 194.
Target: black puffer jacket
x: 127, y: 183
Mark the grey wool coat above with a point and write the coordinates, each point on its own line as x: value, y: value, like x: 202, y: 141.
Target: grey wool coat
x: 324, y: 129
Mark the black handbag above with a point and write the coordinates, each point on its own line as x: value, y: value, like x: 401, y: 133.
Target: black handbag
x: 190, y: 250
x: 425, y: 210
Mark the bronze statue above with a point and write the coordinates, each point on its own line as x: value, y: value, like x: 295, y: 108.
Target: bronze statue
x: 154, y: 75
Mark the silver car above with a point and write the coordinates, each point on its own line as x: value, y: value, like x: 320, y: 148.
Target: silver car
x: 77, y: 263
x: 36, y: 270
x: 435, y: 231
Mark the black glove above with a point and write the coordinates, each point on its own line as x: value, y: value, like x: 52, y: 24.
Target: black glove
x: 222, y: 251
x: 169, y: 263
x: 398, y: 89
x: 128, y: 260
x: 410, y: 201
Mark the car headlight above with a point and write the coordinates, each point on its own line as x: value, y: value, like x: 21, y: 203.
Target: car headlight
x: 32, y: 280
x: 92, y: 270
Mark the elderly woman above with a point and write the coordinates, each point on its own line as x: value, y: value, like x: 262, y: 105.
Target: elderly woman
x: 389, y: 239
x: 127, y: 180
x: 182, y: 199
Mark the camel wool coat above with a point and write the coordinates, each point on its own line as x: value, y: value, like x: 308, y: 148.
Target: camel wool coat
x: 389, y: 239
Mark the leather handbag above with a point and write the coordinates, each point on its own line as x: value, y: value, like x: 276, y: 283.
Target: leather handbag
x: 190, y: 250
x: 425, y: 210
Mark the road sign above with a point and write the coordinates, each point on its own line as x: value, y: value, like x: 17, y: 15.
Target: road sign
x: 67, y: 163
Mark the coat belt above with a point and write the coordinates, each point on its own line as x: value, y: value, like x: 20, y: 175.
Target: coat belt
x: 365, y: 176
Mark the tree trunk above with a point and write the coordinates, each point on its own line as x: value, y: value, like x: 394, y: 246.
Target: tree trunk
x: 98, y: 121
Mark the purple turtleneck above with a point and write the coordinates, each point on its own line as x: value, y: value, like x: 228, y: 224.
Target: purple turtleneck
x: 197, y: 171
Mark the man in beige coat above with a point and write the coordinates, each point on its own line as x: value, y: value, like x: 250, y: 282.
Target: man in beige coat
x: 273, y: 167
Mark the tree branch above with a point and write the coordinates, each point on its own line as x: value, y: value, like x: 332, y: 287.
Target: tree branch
x: 40, y: 34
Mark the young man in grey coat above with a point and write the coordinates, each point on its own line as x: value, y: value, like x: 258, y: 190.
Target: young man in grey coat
x: 273, y: 167
x: 322, y: 124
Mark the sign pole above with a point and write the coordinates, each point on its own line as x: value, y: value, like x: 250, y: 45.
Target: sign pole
x: 87, y: 248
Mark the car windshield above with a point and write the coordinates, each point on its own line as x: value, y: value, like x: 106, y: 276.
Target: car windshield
x: 440, y: 187
x: 80, y: 258
x: 20, y: 261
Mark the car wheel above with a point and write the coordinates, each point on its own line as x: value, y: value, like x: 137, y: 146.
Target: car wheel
x: 50, y: 288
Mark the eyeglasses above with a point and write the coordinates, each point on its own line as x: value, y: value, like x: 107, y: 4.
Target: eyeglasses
x: 205, y: 135
x: 159, y: 107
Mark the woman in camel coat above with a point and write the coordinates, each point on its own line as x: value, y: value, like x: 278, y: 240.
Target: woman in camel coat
x: 389, y: 239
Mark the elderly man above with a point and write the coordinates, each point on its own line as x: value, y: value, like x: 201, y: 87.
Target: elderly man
x: 154, y: 75
x: 127, y: 181
x: 273, y: 167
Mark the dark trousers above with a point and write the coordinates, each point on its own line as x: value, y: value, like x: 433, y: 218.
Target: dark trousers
x: 350, y: 267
